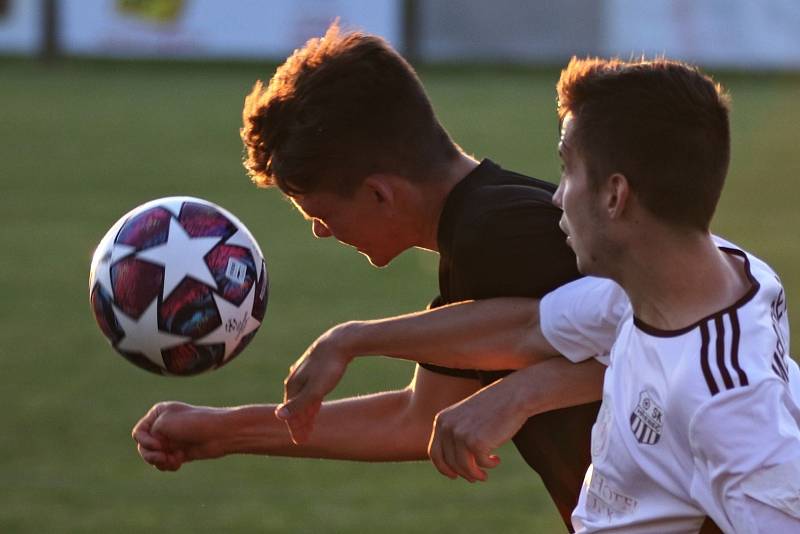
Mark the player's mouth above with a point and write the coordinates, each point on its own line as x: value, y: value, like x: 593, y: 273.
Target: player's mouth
x: 563, y: 226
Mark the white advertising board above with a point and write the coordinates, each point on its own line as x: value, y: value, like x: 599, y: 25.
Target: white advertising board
x: 20, y: 26
x: 727, y: 33
x: 214, y: 28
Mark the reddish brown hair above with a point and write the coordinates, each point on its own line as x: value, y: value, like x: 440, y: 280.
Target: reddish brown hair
x: 663, y: 124
x: 340, y: 108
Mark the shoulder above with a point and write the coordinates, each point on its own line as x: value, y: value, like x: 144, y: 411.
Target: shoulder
x: 747, y: 342
x: 494, y: 207
x: 493, y: 194
x: 582, y: 319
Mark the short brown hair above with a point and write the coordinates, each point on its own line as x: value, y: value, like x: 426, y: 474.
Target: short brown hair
x: 661, y: 123
x: 340, y: 108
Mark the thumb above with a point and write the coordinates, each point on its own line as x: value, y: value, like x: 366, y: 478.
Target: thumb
x: 487, y: 461
x: 298, y: 399
x: 295, y: 409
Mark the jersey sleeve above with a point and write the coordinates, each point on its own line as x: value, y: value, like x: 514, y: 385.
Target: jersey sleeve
x: 580, y: 319
x: 746, y: 448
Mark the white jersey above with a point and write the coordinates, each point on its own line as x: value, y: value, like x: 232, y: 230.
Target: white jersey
x: 699, y: 421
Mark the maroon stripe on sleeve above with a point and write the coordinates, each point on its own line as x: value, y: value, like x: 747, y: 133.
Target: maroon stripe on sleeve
x: 712, y: 384
x: 723, y: 369
x: 735, y: 333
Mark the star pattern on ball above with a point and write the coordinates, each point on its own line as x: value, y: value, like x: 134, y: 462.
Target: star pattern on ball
x: 242, y: 239
x: 182, y: 255
x: 102, y: 273
x: 142, y: 335
x: 173, y: 205
x: 234, y: 318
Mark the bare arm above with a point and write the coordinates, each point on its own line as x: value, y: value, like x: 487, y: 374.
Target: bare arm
x: 466, y: 433
x: 492, y: 334
x: 386, y: 426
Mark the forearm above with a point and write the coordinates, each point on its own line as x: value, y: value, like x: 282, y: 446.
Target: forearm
x: 554, y: 384
x: 378, y: 427
x: 387, y: 426
x: 492, y: 334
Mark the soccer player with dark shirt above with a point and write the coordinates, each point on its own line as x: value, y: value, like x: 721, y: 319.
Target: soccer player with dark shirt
x: 345, y: 130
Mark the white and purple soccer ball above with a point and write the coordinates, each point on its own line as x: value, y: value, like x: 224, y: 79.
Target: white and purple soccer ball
x: 179, y: 286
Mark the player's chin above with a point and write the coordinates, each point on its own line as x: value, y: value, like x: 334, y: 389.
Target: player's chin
x: 377, y: 260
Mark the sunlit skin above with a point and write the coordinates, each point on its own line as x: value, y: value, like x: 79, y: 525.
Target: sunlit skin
x: 358, y: 221
x: 386, y: 214
x: 580, y: 220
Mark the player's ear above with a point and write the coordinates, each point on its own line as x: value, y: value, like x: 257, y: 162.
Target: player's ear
x: 380, y: 187
x: 617, y: 195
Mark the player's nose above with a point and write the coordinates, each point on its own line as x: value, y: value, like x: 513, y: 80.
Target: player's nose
x: 558, y: 196
x: 319, y: 229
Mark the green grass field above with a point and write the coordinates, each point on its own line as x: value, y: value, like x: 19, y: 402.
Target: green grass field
x: 81, y: 143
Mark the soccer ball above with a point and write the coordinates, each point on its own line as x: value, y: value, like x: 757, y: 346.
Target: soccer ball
x: 179, y: 286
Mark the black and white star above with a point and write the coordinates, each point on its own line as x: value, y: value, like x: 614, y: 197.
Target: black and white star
x: 182, y: 255
x: 142, y: 335
x: 237, y: 322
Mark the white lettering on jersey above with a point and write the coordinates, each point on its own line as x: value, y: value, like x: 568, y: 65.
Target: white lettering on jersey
x: 603, y: 498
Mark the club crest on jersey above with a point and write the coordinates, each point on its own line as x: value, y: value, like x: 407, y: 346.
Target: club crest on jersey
x: 647, y: 420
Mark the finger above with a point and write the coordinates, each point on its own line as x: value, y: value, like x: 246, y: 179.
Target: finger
x: 163, y: 461
x: 450, y: 456
x: 487, y: 460
x: 144, y: 424
x: 469, y: 466
x: 296, y: 403
x: 298, y: 412
x: 294, y: 383
x: 152, y: 457
x: 465, y: 463
x: 437, y: 457
x: 174, y: 461
x: 147, y: 440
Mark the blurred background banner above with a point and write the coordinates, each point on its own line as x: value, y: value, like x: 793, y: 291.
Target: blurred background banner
x: 723, y: 33
x: 745, y: 34
x: 20, y: 26
x: 210, y: 28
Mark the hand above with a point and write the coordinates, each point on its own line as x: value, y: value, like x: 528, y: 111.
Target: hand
x: 311, y: 377
x: 465, y: 434
x: 173, y: 433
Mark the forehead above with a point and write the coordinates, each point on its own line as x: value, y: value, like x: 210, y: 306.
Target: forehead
x: 567, y: 133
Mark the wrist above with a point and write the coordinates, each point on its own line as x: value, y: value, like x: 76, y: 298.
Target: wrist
x: 527, y: 399
x: 251, y: 429
x: 347, y: 341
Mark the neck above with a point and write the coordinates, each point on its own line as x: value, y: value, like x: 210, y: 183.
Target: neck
x: 433, y: 198
x: 675, y: 279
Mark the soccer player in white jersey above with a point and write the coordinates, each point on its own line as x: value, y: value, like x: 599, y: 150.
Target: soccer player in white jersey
x: 698, y: 416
